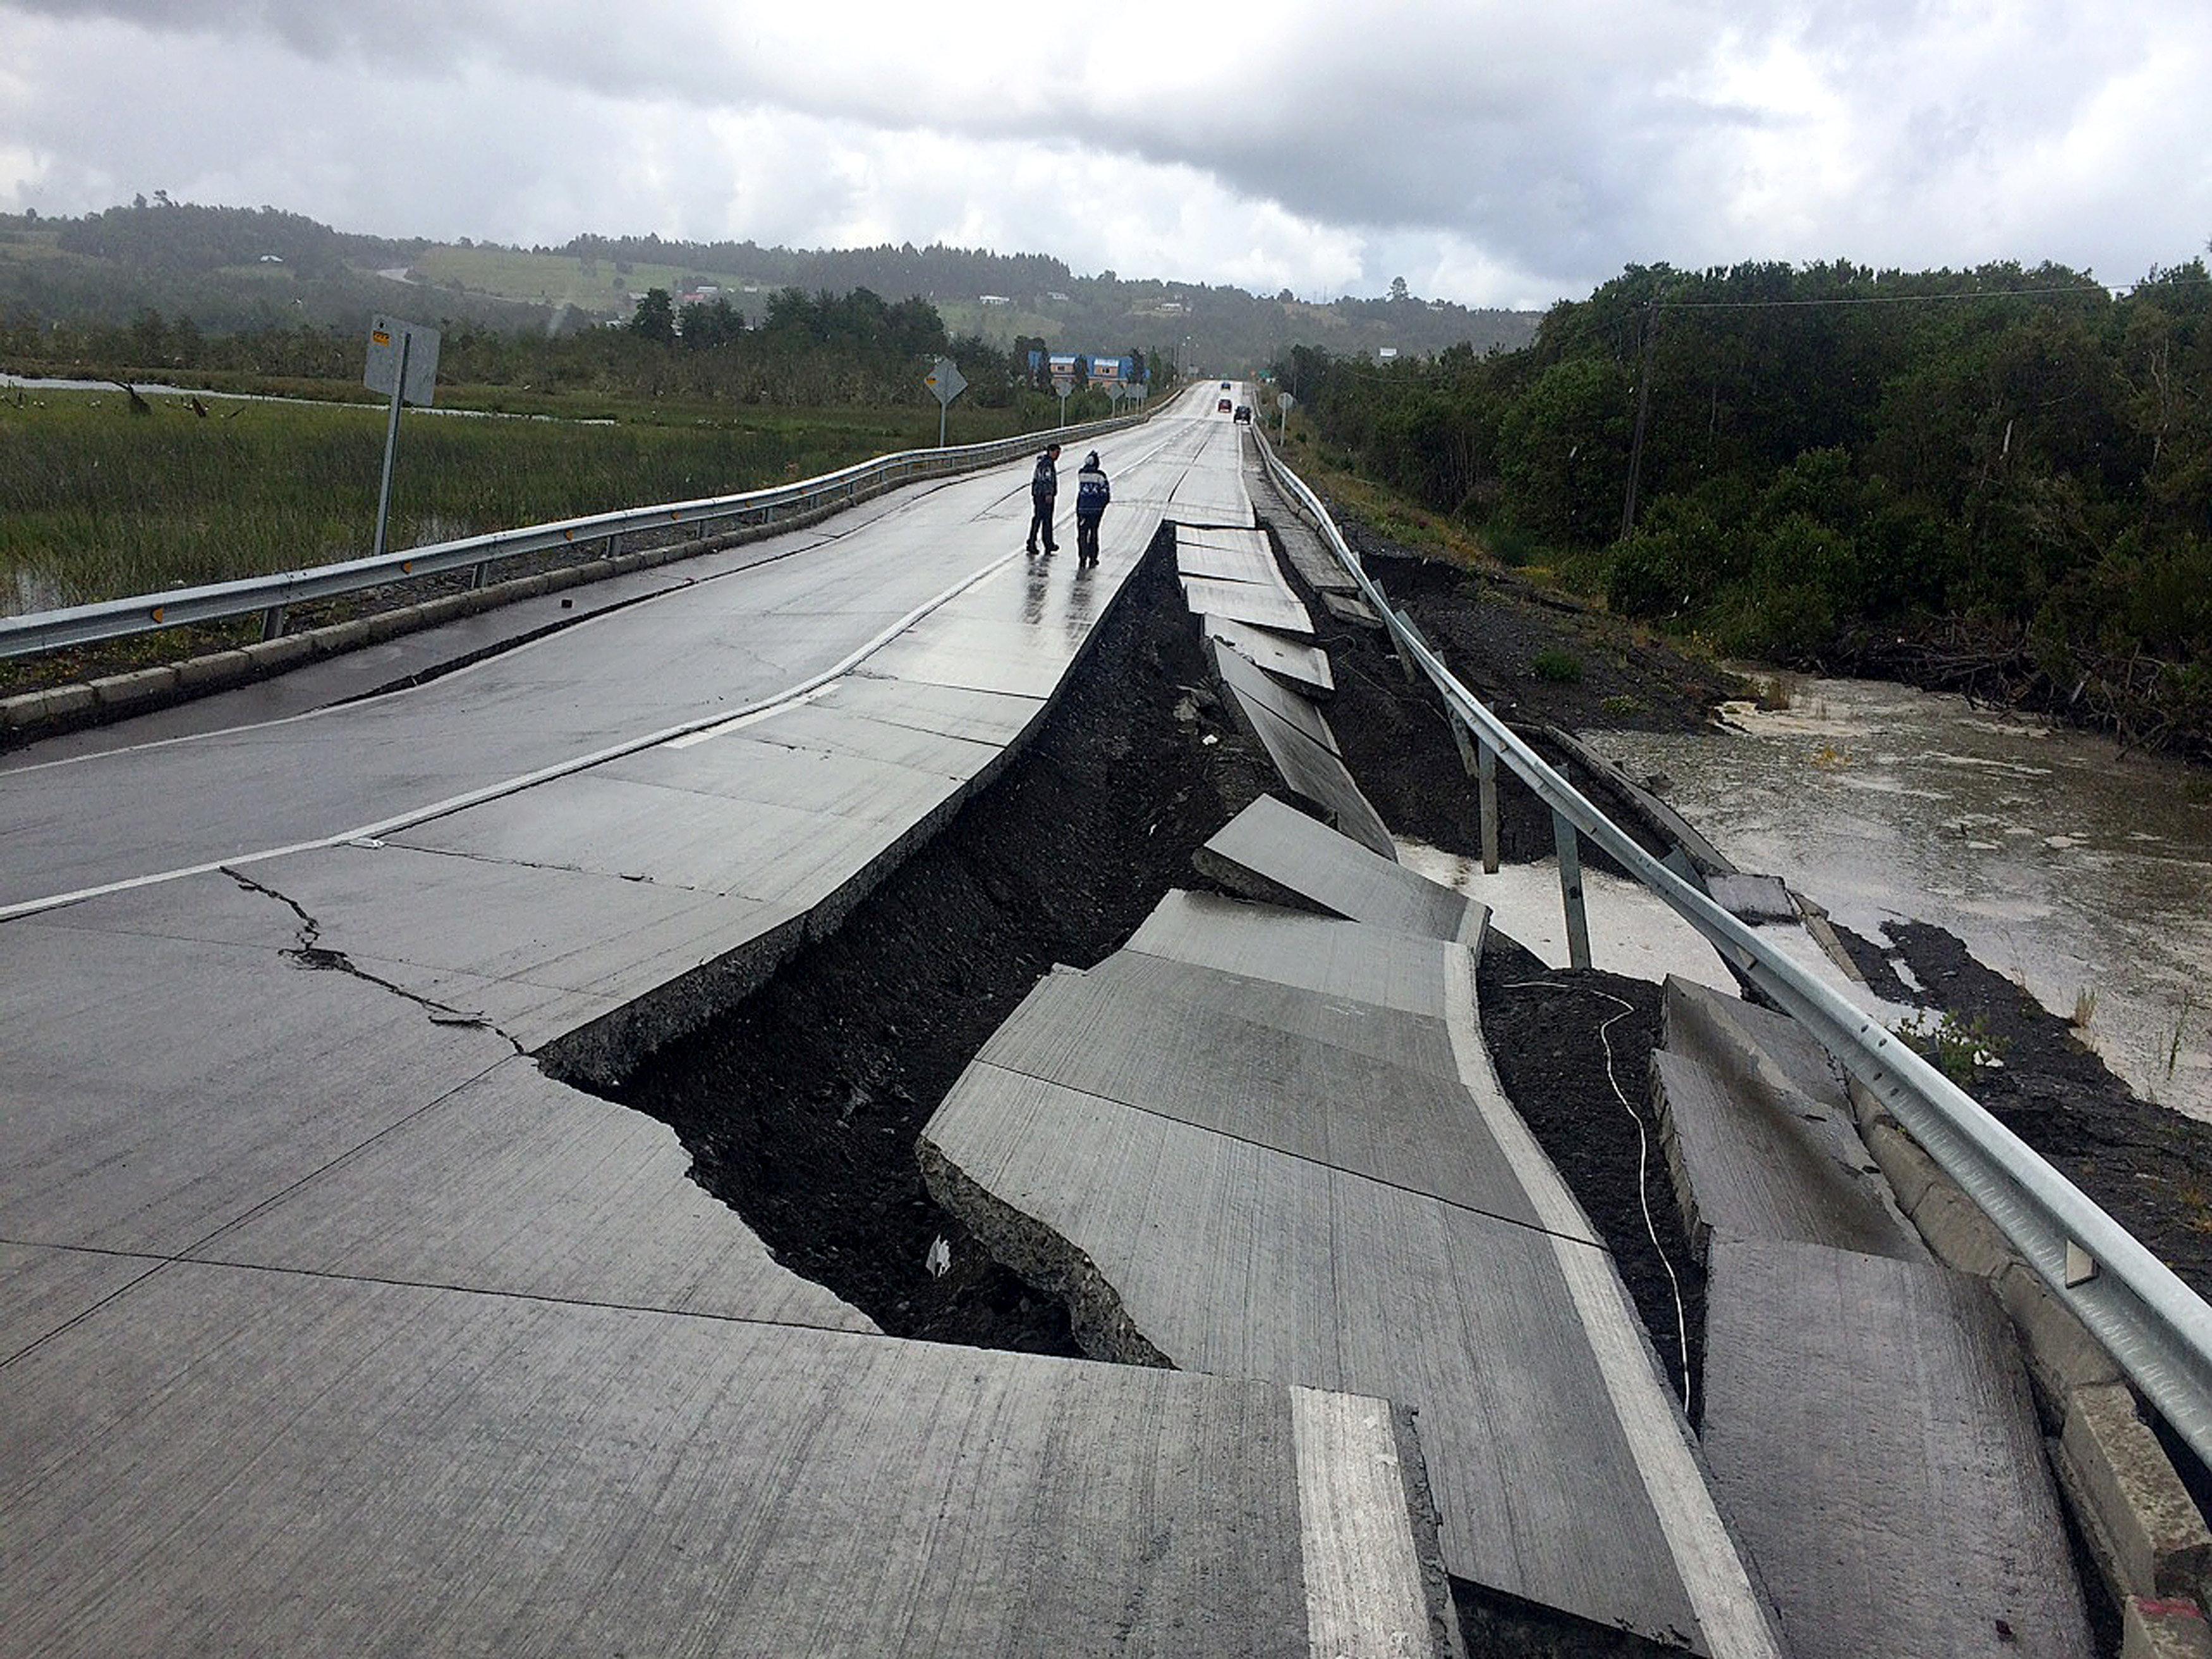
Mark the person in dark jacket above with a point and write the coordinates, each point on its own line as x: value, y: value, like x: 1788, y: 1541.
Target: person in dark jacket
x: 1093, y: 492
x: 1044, y: 490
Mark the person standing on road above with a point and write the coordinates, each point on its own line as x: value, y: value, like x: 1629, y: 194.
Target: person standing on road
x: 1093, y: 492
x: 1044, y: 490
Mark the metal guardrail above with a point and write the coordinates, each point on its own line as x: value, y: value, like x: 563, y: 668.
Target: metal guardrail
x: 109, y: 619
x: 2156, y: 1327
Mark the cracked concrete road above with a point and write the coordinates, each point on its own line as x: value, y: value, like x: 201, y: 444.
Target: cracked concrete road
x: 327, y: 1319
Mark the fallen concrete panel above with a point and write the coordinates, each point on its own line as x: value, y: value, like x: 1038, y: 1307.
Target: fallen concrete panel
x: 1253, y: 686
x: 1303, y: 666
x: 1297, y: 1074
x: 1752, y: 898
x: 1289, y: 851
x: 1247, y: 601
x: 1234, y: 1258
x: 1754, y: 1156
x: 1729, y: 1035
x: 517, y: 1184
x: 1749, y: 1168
x: 362, y: 1467
x: 43, y: 1288
x: 1312, y: 953
x: 1315, y: 774
x: 1214, y: 555
x: 1870, y: 1434
x: 186, y: 1122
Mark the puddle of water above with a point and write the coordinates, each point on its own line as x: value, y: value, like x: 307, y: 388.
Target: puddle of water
x: 2074, y: 869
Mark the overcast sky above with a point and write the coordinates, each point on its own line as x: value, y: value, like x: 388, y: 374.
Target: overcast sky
x: 1496, y: 152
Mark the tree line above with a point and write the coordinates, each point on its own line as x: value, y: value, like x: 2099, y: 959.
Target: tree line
x: 808, y: 350
x: 1997, y: 480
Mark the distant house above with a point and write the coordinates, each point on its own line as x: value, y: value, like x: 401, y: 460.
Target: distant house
x: 271, y: 260
x: 1386, y: 353
x: 997, y: 299
x: 1056, y: 294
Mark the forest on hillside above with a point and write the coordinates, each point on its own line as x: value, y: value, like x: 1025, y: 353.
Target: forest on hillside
x: 1997, y: 480
x: 237, y: 268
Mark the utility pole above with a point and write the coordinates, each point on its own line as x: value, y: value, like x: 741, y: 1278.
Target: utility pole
x: 1643, y: 415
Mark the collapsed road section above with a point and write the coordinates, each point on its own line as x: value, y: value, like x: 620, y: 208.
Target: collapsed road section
x: 329, y: 1322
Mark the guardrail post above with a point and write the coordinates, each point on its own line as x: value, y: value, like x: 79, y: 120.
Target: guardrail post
x: 477, y: 572
x: 614, y: 546
x: 272, y: 622
x: 1564, y: 838
x: 1486, y: 777
x: 1404, y: 657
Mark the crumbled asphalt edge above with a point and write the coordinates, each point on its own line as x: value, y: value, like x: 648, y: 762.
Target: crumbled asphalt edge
x: 800, y: 1087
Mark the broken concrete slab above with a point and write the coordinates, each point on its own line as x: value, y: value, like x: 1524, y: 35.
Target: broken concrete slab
x: 1295, y: 663
x: 1134, y: 1143
x: 1230, y: 556
x: 1252, y: 687
x: 188, y: 1121
x: 1336, y: 958
x: 1870, y: 1434
x: 1312, y: 771
x: 1247, y: 601
x: 361, y: 1466
x: 1174, y: 1241
x: 1290, y: 1070
x: 1751, y: 1154
x: 1753, y: 899
x: 1271, y: 849
x: 1748, y: 1166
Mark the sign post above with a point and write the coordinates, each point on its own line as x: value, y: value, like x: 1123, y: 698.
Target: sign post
x: 1063, y: 384
x: 1282, y: 402
x: 402, y: 360
x: 946, y: 380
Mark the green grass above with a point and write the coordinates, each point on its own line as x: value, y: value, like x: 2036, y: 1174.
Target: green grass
x: 561, y: 279
x: 98, y: 503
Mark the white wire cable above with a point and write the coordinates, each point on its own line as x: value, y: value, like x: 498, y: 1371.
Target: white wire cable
x: 1643, y: 1164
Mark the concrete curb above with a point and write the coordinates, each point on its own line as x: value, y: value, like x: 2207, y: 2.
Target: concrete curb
x: 2150, y: 1542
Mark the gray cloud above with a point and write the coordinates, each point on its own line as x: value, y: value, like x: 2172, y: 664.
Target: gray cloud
x: 1533, y: 148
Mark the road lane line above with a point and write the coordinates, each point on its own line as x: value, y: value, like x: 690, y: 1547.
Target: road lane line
x: 705, y: 726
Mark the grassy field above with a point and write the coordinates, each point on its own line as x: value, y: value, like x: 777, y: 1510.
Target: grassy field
x: 96, y: 502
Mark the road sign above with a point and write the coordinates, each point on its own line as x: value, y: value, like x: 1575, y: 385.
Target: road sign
x: 1115, y: 391
x: 945, y: 380
x: 392, y: 344
x: 1063, y: 384
x: 402, y: 364
x: 1284, y: 400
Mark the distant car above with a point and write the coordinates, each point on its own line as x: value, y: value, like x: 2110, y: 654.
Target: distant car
x: 1245, y: 413
x: 1222, y: 408
x: 1224, y: 385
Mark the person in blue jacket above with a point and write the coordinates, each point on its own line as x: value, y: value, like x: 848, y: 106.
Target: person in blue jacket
x: 1044, y: 490
x: 1093, y: 492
